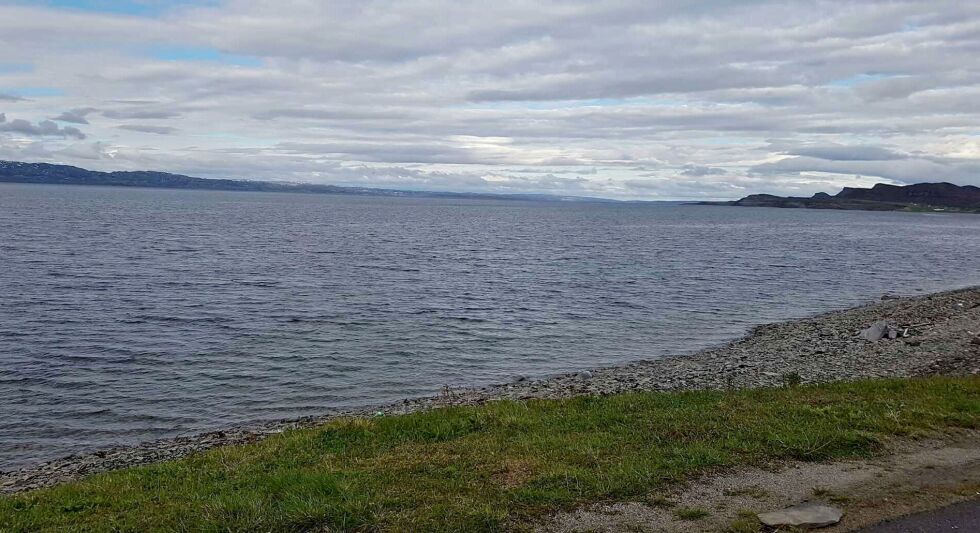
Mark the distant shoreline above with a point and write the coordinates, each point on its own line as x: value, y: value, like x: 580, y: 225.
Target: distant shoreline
x: 821, y: 348
x: 50, y: 174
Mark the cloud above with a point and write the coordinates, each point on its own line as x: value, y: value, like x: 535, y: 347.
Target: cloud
x: 10, y: 98
x: 333, y: 114
x: 75, y: 116
x: 44, y: 128
x: 627, y: 99
x: 836, y: 152
x: 139, y: 114
x: 911, y: 170
x: 871, y: 161
x: 698, y: 171
x: 159, y: 130
x: 377, y: 152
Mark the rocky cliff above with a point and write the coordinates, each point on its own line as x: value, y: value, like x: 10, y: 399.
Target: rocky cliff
x: 881, y: 197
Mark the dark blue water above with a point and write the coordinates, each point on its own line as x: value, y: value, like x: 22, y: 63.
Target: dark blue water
x: 128, y: 315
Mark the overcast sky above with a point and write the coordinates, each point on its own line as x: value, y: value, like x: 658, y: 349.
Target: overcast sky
x: 622, y: 99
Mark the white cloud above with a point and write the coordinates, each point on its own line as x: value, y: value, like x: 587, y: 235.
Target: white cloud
x: 75, y: 116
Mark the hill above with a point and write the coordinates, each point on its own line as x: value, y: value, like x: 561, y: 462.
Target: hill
x: 881, y: 197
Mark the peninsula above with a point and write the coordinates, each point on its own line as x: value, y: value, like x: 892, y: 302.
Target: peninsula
x: 881, y: 197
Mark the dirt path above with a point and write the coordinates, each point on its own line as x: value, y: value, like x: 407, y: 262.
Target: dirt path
x: 914, y: 476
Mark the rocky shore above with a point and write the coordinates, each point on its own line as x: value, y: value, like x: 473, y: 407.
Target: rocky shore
x: 933, y: 334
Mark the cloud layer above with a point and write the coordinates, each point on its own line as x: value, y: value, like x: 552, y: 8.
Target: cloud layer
x: 624, y: 99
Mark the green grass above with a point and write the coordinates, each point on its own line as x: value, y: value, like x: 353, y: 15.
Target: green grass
x: 484, y: 468
x: 745, y: 524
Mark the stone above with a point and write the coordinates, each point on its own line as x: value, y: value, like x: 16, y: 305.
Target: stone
x: 975, y: 340
x: 585, y: 375
x: 807, y: 515
x: 875, y: 332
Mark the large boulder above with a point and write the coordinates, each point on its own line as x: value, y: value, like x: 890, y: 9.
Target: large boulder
x: 805, y: 515
x: 875, y: 333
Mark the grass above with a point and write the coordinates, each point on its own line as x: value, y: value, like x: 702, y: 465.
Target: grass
x: 747, y: 522
x: 792, y: 379
x: 496, y: 466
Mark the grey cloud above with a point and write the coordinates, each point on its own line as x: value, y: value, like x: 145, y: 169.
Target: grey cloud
x: 496, y: 182
x: 847, y: 153
x: 385, y: 152
x: 586, y: 171
x: 10, y: 98
x: 874, y: 161
x: 333, y: 114
x: 75, y: 116
x: 623, y: 85
x: 965, y: 172
x: 898, y: 87
x: 139, y: 114
x: 159, y: 130
x: 94, y: 151
x: 133, y: 102
x: 698, y: 170
x: 41, y: 129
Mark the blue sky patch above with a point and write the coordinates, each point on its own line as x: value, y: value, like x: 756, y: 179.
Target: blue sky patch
x: 143, y: 8
x: 202, y: 53
x: 859, y: 79
x: 27, y: 92
x: 14, y: 68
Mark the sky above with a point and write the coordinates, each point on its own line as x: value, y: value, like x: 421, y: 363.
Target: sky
x: 653, y: 100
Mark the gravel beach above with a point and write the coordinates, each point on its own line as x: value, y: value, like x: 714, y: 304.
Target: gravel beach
x: 933, y: 334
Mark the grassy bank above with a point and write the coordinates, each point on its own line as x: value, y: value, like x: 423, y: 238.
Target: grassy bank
x: 479, y: 468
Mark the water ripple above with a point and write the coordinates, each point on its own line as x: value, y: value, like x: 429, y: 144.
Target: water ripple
x: 129, y: 315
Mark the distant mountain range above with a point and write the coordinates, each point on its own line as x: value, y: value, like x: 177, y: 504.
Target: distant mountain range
x: 45, y: 173
x: 881, y: 197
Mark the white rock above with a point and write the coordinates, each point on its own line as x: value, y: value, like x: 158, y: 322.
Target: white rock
x: 804, y: 515
x: 874, y: 333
